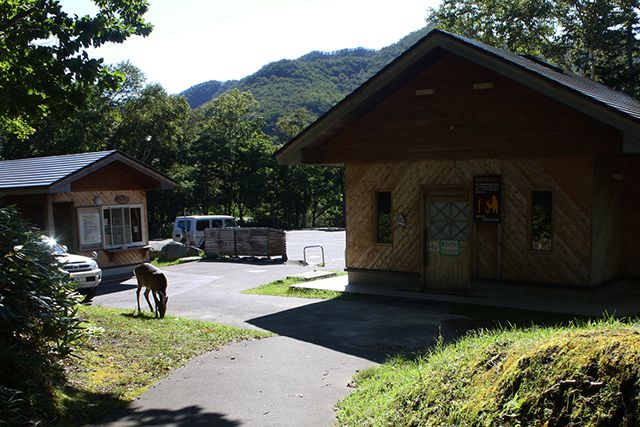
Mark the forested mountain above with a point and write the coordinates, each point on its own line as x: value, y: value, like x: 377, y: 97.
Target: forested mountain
x: 315, y: 81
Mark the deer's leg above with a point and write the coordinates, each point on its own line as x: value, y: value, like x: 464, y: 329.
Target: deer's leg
x: 146, y: 296
x: 156, y: 299
x: 138, y: 299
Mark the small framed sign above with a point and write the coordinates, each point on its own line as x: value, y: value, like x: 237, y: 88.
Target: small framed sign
x: 89, y: 228
x: 487, y: 198
x: 449, y: 247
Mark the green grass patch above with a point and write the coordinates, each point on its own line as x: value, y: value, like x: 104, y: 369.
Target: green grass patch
x: 159, y: 263
x: 579, y: 375
x: 282, y: 288
x: 125, y: 353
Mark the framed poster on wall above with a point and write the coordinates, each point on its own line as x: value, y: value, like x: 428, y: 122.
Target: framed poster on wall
x: 487, y: 198
x: 89, y: 228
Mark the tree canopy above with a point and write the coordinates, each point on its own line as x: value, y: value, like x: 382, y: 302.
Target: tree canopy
x: 44, y: 64
x: 596, y: 38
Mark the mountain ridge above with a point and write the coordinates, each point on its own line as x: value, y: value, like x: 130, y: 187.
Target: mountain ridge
x: 315, y: 81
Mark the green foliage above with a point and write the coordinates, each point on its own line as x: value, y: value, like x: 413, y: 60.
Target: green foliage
x: 152, y: 127
x: 44, y: 63
x: 38, y: 323
x: 586, y: 375
x: 596, y: 38
x: 231, y: 154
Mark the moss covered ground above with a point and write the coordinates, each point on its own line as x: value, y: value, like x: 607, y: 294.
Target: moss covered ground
x: 578, y: 375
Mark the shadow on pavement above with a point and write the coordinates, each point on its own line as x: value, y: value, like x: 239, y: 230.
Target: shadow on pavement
x: 113, y: 287
x: 376, y: 328
x: 371, y: 327
x: 187, y: 416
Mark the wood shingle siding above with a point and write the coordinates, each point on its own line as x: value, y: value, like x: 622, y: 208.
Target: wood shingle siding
x: 569, y: 179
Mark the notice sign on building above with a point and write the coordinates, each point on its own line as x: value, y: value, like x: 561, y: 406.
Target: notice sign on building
x: 487, y: 198
x: 89, y: 227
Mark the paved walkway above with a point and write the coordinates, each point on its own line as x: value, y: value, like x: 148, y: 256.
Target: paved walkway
x: 291, y: 379
x: 295, y: 378
x: 278, y: 381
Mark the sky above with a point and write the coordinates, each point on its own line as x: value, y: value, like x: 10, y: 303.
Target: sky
x: 198, y: 40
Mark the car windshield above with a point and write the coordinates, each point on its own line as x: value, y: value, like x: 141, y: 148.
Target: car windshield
x: 56, y: 249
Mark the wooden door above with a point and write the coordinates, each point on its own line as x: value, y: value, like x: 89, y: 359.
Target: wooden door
x: 448, y: 241
x: 63, y: 225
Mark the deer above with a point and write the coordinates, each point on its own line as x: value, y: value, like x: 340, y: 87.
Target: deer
x: 154, y: 281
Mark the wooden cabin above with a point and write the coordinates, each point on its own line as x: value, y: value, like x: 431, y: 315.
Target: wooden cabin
x: 88, y: 202
x: 465, y: 163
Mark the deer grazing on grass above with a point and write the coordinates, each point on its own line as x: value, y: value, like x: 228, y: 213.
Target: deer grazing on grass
x: 154, y: 281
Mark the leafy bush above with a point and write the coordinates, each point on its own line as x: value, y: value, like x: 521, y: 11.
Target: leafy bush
x: 38, y: 323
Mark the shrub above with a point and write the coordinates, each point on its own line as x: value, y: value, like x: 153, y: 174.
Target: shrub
x: 38, y: 323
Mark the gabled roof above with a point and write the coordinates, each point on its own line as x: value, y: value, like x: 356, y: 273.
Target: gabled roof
x: 612, y: 107
x: 54, y: 174
x: 614, y: 99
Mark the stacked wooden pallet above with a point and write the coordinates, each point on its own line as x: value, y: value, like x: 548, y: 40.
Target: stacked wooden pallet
x: 254, y: 242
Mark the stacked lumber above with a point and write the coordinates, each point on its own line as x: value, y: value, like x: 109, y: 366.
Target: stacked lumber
x: 255, y: 242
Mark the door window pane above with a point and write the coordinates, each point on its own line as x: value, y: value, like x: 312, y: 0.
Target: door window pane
x: 107, y: 227
x: 449, y: 221
x: 136, y: 225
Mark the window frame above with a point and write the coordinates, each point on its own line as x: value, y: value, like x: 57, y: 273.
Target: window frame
x: 142, y: 226
x: 375, y: 217
x: 530, y: 247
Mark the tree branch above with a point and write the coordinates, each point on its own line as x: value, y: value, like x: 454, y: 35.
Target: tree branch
x: 16, y: 19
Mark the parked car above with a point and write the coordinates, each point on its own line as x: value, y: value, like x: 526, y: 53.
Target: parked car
x: 83, y: 270
x: 190, y: 229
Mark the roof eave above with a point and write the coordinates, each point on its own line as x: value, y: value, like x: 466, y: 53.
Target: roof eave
x: 17, y: 191
x: 64, y: 185
x: 545, y: 86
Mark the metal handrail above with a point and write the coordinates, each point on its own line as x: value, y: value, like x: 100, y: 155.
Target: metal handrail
x: 304, y: 253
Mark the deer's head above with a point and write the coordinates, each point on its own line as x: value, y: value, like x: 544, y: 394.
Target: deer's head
x: 162, y: 304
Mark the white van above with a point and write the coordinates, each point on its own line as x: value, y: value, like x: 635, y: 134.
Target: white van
x: 190, y: 229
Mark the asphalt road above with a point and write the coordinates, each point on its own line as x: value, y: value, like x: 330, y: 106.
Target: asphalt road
x: 292, y: 379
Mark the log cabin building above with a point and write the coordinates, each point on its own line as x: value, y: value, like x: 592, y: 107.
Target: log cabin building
x: 466, y: 164
x: 88, y: 202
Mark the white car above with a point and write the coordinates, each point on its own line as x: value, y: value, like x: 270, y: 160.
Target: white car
x: 190, y: 229
x: 83, y: 270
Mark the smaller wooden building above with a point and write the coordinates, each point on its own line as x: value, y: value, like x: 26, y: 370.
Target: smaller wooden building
x: 88, y: 202
x: 465, y: 162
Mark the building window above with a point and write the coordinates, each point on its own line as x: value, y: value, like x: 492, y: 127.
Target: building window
x: 541, y: 221
x: 122, y: 226
x: 383, y: 217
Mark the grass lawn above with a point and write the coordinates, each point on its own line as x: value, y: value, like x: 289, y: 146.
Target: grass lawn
x: 158, y: 263
x: 125, y: 353
x: 578, y: 375
x: 282, y: 288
